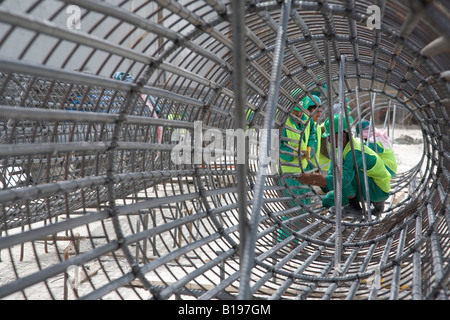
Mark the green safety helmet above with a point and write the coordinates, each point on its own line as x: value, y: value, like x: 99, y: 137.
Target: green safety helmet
x: 307, y: 102
x: 336, y: 125
x: 336, y: 111
x: 364, y: 124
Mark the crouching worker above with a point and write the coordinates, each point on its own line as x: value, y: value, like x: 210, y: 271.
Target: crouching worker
x: 378, y: 177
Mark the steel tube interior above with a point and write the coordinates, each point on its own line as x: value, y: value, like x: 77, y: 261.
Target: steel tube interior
x: 110, y: 190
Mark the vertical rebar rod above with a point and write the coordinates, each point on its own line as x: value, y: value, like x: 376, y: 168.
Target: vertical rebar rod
x: 239, y: 83
x: 330, y: 106
x: 249, y: 251
x: 339, y: 165
x: 393, y: 124
x: 372, y: 107
x: 417, y: 268
x: 335, y: 171
x: 387, y: 118
x: 363, y: 154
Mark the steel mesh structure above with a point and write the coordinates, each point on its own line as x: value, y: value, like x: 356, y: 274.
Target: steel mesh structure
x: 95, y: 96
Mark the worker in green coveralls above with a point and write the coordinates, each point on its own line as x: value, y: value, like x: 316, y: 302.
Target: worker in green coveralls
x: 315, y: 135
x: 378, y: 176
x: 291, y: 137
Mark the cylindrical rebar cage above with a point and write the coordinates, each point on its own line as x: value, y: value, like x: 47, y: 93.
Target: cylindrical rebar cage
x: 135, y: 136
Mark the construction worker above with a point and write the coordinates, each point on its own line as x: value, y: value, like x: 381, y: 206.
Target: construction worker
x: 323, y: 157
x: 314, y: 140
x: 290, y: 144
x: 383, y: 148
x: 320, y: 152
x: 291, y: 137
x: 319, y: 155
x: 378, y: 176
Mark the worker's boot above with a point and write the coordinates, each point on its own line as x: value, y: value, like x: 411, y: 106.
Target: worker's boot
x: 378, y: 208
x: 350, y: 211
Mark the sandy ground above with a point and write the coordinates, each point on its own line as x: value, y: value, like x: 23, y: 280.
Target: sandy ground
x: 407, y: 147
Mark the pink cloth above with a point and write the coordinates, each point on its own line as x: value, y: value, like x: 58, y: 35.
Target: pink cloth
x: 381, y: 135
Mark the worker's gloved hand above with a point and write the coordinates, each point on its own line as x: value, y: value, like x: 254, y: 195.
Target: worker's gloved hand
x: 306, y: 153
x: 306, y: 178
x: 314, y: 179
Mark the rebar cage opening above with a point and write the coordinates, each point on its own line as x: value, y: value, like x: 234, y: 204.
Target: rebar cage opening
x: 118, y: 180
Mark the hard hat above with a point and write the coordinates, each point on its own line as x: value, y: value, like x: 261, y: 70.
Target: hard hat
x: 336, y: 125
x: 307, y: 102
x: 336, y: 108
x: 364, y: 124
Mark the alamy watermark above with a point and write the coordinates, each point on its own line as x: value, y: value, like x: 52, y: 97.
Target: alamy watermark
x: 211, y: 146
x: 74, y: 19
x: 374, y: 20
